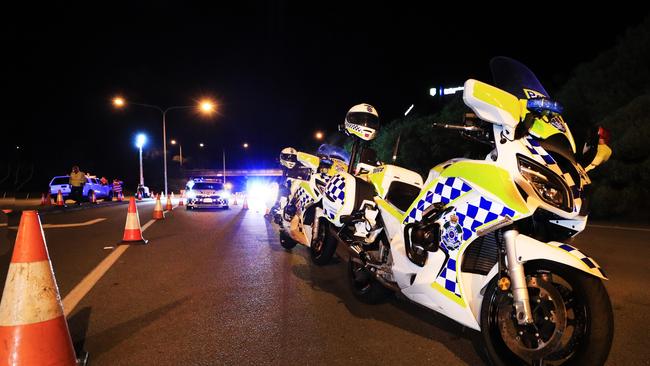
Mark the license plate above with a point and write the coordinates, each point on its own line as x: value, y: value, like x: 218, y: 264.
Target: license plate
x: 207, y: 200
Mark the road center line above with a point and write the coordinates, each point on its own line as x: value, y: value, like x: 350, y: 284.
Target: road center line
x: 78, y: 292
x: 88, y: 282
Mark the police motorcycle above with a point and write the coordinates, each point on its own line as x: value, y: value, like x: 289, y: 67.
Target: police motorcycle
x: 483, y: 242
x: 299, y: 211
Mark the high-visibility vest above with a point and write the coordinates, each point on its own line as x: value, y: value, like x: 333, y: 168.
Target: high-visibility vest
x: 117, y: 187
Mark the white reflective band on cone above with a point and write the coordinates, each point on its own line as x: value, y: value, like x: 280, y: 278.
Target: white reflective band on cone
x: 30, y: 294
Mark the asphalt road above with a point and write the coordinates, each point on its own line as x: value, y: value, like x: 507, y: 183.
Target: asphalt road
x: 215, y: 288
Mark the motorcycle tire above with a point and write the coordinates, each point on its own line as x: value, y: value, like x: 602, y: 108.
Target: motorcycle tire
x: 586, y: 313
x: 323, y: 245
x: 286, y: 241
x: 364, y: 286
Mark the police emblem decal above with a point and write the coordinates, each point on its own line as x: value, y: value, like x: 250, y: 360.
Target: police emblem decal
x: 452, y: 233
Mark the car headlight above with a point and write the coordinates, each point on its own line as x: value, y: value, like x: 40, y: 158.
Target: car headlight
x: 549, y: 186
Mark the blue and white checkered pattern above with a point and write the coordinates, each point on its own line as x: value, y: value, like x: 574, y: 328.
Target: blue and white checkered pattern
x: 580, y: 255
x: 471, y: 215
x: 448, y: 277
x: 536, y: 149
x: 336, y: 189
x: 303, y: 198
x: 445, y: 191
x: 479, y: 211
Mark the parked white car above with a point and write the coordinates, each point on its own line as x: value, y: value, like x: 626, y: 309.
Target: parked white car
x: 62, y: 183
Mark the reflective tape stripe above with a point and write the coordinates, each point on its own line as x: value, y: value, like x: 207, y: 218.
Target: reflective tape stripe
x: 132, y: 222
x: 30, y: 294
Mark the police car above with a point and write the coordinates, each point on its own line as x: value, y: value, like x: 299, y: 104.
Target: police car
x: 206, y: 193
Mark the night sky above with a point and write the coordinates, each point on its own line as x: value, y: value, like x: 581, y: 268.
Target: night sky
x: 279, y: 71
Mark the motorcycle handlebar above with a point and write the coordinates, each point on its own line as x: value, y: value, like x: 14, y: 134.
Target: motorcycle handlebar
x: 457, y: 127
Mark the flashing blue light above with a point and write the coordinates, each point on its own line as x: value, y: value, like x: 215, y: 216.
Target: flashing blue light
x: 140, y: 140
x: 543, y: 105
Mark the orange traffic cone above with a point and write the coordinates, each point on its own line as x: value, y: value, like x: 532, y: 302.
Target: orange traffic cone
x: 93, y: 198
x: 33, y: 329
x: 172, y: 195
x: 245, y: 206
x: 59, y: 199
x: 43, y: 202
x: 120, y: 197
x: 132, y: 230
x: 48, y: 200
x: 158, y: 213
x: 169, y: 205
x: 139, y: 196
x: 180, y: 202
x: 234, y: 200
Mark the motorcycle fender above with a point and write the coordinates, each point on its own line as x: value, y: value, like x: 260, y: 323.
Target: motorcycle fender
x: 529, y: 249
x: 296, y: 231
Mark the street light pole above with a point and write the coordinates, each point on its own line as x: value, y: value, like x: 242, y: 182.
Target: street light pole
x: 140, y: 140
x: 206, y: 106
x: 141, y: 173
x: 223, y: 151
x: 164, y: 117
x: 180, y: 148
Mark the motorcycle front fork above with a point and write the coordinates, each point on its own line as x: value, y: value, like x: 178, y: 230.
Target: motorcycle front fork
x: 517, y: 275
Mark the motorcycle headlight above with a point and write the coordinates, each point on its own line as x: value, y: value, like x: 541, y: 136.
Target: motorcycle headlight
x: 549, y: 186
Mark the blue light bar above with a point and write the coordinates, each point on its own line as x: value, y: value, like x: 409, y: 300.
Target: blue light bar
x: 542, y: 105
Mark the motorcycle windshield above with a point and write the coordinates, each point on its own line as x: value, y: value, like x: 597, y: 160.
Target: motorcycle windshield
x: 515, y: 78
x: 334, y: 152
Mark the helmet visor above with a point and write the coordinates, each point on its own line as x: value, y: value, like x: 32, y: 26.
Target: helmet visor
x: 289, y: 157
x: 363, y: 119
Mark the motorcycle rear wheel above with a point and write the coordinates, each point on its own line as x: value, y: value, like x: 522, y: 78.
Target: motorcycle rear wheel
x: 573, y: 320
x: 363, y: 284
x: 286, y: 241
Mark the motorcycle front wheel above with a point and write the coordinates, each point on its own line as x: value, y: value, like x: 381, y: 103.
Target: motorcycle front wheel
x: 572, y: 320
x: 323, y: 244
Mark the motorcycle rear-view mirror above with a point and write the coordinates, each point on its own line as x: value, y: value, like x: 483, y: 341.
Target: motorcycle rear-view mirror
x: 492, y: 104
x: 596, y: 150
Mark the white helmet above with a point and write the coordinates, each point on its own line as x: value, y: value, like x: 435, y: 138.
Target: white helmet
x: 362, y: 121
x: 288, y: 157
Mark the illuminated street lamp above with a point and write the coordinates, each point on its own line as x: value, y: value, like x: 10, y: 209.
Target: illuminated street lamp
x: 180, y: 151
x: 245, y: 145
x: 118, y: 102
x: 318, y: 135
x: 201, y: 144
x: 140, y: 140
x: 205, y: 106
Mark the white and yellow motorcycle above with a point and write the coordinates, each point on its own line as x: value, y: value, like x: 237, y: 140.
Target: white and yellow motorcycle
x: 483, y: 241
x: 299, y: 210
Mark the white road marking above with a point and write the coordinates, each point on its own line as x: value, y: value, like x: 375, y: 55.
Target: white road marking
x: 88, y: 282
x: 87, y: 223
x: 620, y: 227
x: 56, y: 226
